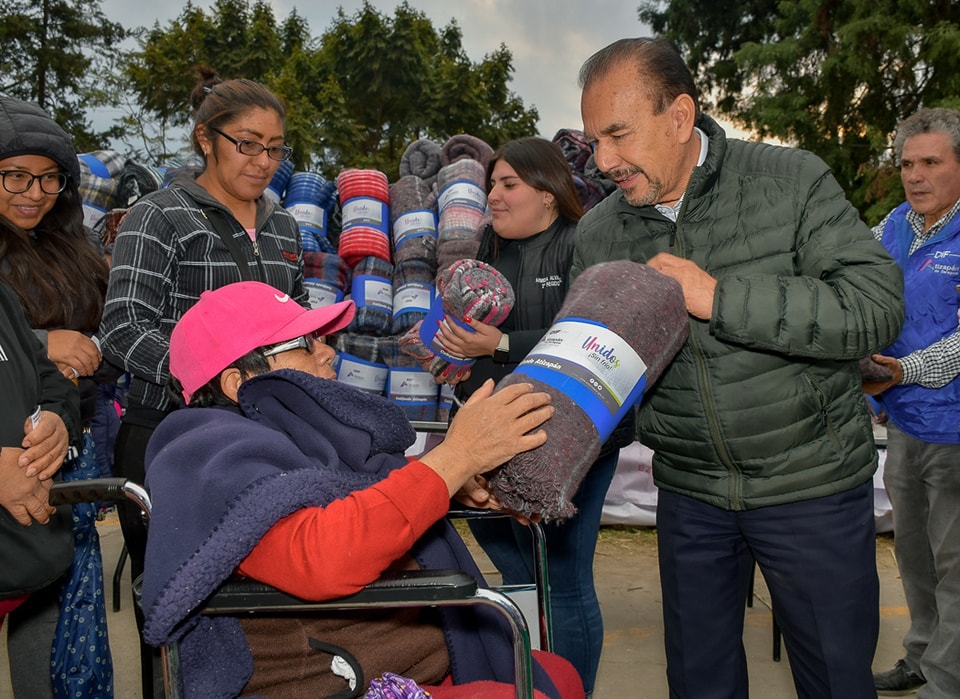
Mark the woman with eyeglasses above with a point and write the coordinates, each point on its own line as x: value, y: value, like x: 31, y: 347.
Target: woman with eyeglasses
x: 210, y: 227
x: 53, y: 266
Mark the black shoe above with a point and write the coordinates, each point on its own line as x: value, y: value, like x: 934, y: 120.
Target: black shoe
x: 898, y: 681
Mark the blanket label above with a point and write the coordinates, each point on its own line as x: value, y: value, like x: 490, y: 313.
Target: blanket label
x: 365, y: 376
x: 414, y: 224
x: 593, y: 366
x: 410, y: 385
x: 365, y: 211
x: 322, y: 292
x: 413, y: 297
x: 373, y: 291
x: 464, y: 193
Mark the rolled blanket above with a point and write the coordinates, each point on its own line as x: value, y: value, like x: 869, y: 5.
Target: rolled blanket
x: 102, y: 163
x: 365, y: 347
x: 589, y: 191
x: 371, y: 289
x: 410, y: 386
x: 365, y: 216
x: 575, y: 147
x: 466, y: 289
x: 277, y: 188
x: 326, y: 277
x: 98, y: 184
x: 309, y: 197
x: 450, y: 251
x: 369, y: 377
x: 413, y: 220
x: 460, y: 205
x: 593, y: 173
x: 413, y: 292
x: 137, y: 179
x: 421, y: 159
x: 619, y: 327
x: 465, y: 146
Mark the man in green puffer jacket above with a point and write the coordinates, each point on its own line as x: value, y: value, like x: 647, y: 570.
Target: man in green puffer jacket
x: 763, y: 445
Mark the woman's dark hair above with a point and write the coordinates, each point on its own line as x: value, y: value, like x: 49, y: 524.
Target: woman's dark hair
x: 217, y: 102
x: 540, y: 164
x: 55, y: 269
x: 210, y: 394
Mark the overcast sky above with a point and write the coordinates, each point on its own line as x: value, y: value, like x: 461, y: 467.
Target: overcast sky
x: 549, y: 39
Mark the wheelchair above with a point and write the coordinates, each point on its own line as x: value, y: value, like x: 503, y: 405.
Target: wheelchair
x: 426, y: 588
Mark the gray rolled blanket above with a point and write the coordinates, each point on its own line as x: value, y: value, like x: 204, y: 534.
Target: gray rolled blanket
x: 619, y: 327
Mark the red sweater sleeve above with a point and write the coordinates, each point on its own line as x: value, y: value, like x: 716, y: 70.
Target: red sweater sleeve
x: 320, y: 553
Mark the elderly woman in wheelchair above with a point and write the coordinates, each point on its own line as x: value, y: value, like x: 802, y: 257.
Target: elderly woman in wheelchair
x: 275, y: 472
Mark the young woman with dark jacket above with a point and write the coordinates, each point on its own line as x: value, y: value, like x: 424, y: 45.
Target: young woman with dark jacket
x: 534, y: 206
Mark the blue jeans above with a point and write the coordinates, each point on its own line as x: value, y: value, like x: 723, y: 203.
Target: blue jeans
x: 575, y: 610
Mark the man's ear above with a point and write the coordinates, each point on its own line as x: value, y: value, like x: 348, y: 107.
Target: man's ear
x: 684, y: 113
x: 230, y: 380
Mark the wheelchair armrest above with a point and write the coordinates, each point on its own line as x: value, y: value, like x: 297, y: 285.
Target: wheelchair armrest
x: 394, y: 588
x: 98, y: 489
x: 92, y: 490
x: 429, y: 426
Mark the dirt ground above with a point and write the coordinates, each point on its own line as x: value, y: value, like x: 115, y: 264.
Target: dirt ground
x: 628, y: 585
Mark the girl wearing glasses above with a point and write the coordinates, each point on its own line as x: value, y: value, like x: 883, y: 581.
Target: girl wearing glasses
x: 52, y: 265
x: 210, y: 227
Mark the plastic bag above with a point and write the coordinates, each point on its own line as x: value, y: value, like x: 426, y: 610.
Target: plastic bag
x: 392, y: 686
x: 81, y: 664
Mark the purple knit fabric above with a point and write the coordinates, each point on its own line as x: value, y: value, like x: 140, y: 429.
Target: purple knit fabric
x: 646, y: 310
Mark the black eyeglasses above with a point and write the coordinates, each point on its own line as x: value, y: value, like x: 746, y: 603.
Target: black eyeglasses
x: 302, y: 342
x: 253, y: 148
x: 19, y: 181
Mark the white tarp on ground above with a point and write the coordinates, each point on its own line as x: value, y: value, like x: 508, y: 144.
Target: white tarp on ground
x: 632, y: 497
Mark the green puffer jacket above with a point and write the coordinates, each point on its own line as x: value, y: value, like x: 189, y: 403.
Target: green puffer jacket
x: 763, y: 404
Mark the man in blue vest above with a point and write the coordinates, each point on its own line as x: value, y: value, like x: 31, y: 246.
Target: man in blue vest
x: 922, y: 404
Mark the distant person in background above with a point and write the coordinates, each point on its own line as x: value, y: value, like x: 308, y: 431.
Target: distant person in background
x: 535, y: 209
x: 55, y: 268
x: 763, y: 447
x: 921, y: 403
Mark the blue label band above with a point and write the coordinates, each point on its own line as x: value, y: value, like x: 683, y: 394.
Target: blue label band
x: 592, y: 366
x: 431, y: 326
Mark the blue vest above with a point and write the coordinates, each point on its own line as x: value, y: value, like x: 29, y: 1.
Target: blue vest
x: 930, y: 278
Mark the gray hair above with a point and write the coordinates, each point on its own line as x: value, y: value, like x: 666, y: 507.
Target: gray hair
x: 926, y: 121
x: 660, y: 69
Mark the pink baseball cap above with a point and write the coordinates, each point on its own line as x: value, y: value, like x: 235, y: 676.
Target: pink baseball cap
x: 229, y: 322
